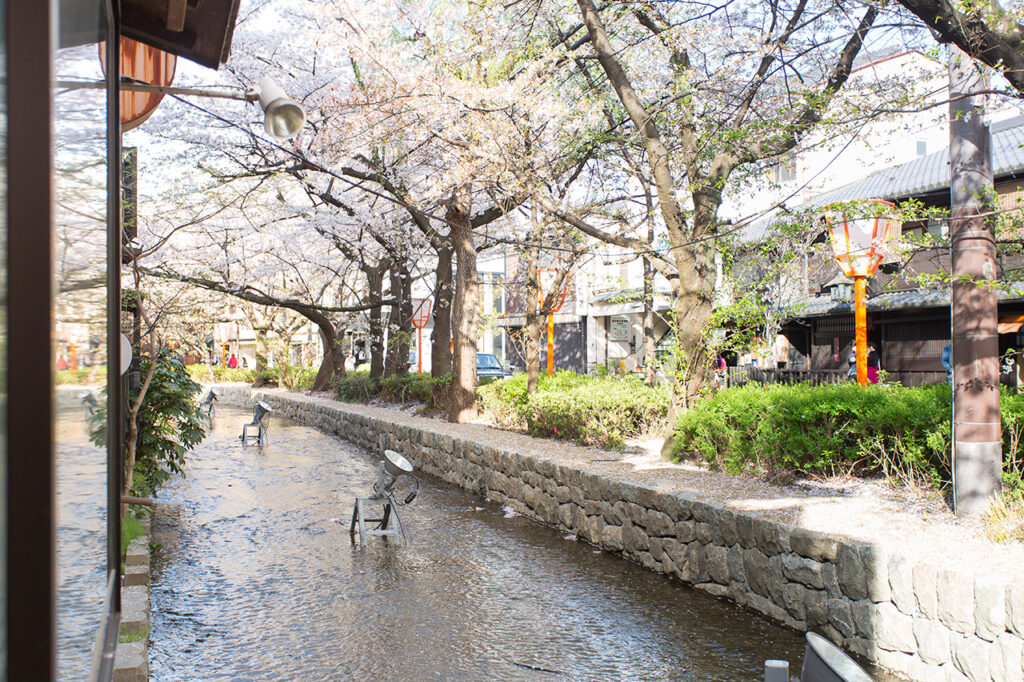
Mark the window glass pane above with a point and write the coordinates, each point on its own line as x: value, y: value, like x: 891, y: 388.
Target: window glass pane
x: 79, y: 344
x: 3, y: 335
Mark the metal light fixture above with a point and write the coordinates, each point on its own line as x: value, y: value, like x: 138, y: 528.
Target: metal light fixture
x: 89, y: 400
x: 857, y: 244
x: 207, y: 403
x: 825, y: 662
x: 283, y: 117
x: 259, y: 411
x: 391, y: 468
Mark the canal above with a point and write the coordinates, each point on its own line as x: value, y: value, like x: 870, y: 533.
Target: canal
x: 254, y: 578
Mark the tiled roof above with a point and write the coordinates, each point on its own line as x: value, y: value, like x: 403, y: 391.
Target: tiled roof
x: 816, y: 306
x: 931, y: 172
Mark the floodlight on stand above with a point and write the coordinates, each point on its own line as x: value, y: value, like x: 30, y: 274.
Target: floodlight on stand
x: 89, y: 400
x: 391, y: 468
x: 206, y: 406
x: 282, y: 117
x: 259, y: 411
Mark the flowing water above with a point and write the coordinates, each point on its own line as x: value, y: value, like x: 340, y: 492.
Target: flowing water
x: 256, y: 579
x: 81, y: 543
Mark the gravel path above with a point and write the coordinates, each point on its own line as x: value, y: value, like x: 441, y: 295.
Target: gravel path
x: 920, y: 525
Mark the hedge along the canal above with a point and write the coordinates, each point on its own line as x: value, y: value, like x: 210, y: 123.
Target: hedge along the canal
x: 358, y: 387
x: 589, y: 410
x: 902, y: 433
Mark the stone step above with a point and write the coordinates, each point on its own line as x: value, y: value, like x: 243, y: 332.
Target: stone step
x: 136, y: 575
x: 138, y: 553
x: 131, y: 663
x: 134, y: 609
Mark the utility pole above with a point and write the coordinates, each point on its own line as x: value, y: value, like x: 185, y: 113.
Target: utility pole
x: 977, y: 434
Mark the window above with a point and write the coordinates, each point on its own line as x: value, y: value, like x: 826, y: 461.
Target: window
x: 785, y: 171
x: 922, y: 147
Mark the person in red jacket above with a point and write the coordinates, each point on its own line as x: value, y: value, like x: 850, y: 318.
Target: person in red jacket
x: 232, y: 361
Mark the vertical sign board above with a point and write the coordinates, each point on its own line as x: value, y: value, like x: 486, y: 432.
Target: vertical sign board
x: 129, y: 196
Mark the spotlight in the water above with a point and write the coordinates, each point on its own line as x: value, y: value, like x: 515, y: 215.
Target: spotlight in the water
x: 391, y: 468
x: 259, y: 411
x: 89, y: 400
x: 207, y: 403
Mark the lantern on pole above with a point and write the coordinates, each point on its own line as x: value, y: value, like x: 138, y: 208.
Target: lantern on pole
x: 857, y: 244
x: 546, y: 277
x: 420, y: 316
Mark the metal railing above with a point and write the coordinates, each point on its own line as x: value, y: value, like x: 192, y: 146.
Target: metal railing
x: 737, y: 376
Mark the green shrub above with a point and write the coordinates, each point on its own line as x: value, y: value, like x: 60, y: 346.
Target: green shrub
x: 590, y: 410
x: 83, y: 375
x: 169, y: 424
x: 131, y: 529
x: 209, y: 374
x: 903, y: 433
x: 358, y: 387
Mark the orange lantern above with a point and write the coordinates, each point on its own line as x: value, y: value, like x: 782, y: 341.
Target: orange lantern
x: 141, y: 63
x: 857, y: 244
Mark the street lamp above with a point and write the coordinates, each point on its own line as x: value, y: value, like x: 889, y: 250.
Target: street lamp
x: 282, y: 117
x: 857, y: 244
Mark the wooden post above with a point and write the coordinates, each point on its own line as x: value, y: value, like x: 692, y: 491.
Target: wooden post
x: 860, y: 319
x: 977, y: 433
x: 551, y: 344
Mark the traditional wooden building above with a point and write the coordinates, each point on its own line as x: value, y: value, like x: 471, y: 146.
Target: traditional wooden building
x: 909, y: 322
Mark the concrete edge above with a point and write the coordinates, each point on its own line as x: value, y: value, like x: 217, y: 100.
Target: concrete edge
x: 131, y: 663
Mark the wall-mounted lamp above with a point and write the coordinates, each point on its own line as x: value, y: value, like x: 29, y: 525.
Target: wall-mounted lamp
x: 283, y: 117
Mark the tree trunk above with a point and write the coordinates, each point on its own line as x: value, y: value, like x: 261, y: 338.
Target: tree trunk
x: 391, y: 361
x: 533, y: 316
x: 339, y: 360
x: 405, y: 328
x: 332, y: 357
x: 466, y: 311
x: 441, y: 335
x: 649, y: 341
x: 375, y: 289
x: 400, y: 329
x: 692, y: 311
x: 261, y: 348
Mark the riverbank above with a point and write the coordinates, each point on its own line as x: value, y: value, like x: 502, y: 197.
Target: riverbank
x: 911, y: 589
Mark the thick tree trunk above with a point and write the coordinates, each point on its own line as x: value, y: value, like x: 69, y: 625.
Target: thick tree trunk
x: 375, y: 289
x: 332, y: 357
x: 692, y: 311
x: 466, y: 312
x: 441, y: 335
x: 400, y: 327
x: 261, y: 348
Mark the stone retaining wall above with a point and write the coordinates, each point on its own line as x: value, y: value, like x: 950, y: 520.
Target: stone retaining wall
x: 131, y: 662
x: 914, y: 618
